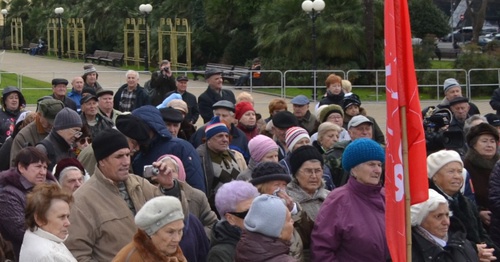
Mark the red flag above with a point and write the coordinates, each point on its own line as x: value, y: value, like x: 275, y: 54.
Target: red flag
x: 401, y: 91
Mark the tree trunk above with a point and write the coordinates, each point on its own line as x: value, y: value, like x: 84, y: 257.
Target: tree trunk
x: 369, y: 34
x: 477, y: 11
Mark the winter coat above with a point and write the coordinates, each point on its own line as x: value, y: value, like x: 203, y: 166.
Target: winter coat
x: 163, y: 143
x: 223, y: 241
x: 194, y: 242
x: 193, y: 111
x: 333, y: 160
x: 479, y: 169
x: 13, y: 190
x: 101, y: 221
x: 142, y: 249
x: 309, y: 122
x: 494, y: 200
x: 7, y: 122
x: 68, y: 102
x: 256, y: 247
x: 162, y: 85
x: 76, y: 97
x: 141, y: 97
x: 197, y: 203
x: 97, y: 87
x: 102, y: 124
x: 332, y: 99
x: 56, y: 148
x: 208, y: 98
x: 248, y: 131
x: 42, y: 246
x: 350, y: 225
x: 246, y: 175
x: 309, y: 204
x: 30, y: 135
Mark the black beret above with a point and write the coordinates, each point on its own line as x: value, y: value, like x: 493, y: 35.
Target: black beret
x: 57, y: 81
x: 171, y: 115
x: 459, y: 100
x: 284, y: 119
x: 133, y: 127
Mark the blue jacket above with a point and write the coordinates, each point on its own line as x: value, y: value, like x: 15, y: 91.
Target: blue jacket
x: 163, y: 143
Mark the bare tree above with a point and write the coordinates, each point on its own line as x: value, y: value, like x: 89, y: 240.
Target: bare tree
x: 476, y: 10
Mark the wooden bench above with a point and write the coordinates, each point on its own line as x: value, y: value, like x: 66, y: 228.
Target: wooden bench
x: 114, y: 58
x: 98, y: 54
x: 41, y: 51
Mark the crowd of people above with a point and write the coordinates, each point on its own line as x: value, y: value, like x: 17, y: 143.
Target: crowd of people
x: 97, y: 175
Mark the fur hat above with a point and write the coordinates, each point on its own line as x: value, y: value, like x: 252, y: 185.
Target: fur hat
x: 259, y: 146
x: 67, y: 118
x: 361, y: 150
x: 269, y: 171
x: 437, y: 160
x: 242, y: 108
x: 157, y: 213
x: 293, y: 135
x: 87, y: 69
x: 481, y: 129
x: 421, y: 210
x: 214, y: 127
x: 266, y: 216
x: 303, y: 154
x: 107, y: 142
x: 325, y: 112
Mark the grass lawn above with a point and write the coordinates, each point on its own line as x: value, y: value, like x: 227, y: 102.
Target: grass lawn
x: 33, y: 88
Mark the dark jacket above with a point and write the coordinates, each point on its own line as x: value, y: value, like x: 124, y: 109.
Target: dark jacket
x: 103, y: 123
x: 193, y: 112
x: 56, y: 148
x: 223, y: 241
x: 162, y: 84
x: 194, y: 242
x: 7, y: 122
x: 333, y: 160
x: 13, y: 190
x: 495, y: 100
x: 256, y: 247
x: 473, y: 110
x: 141, y: 97
x: 163, y: 143
x: 208, y: 98
x: 494, y: 198
x: 479, y: 169
x: 68, y: 102
x: 332, y: 99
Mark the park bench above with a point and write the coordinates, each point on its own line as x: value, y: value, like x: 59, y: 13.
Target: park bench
x: 114, y: 58
x: 222, y: 67
x: 98, y: 54
x: 27, y: 49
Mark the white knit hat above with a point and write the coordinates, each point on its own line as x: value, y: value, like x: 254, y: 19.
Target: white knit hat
x: 293, y: 135
x: 436, y: 161
x: 420, y: 211
x: 157, y: 213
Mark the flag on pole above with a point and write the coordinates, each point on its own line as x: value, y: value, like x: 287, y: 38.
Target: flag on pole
x: 401, y: 91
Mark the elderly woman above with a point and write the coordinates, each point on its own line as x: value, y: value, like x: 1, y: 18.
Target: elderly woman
x: 160, y: 229
x: 276, y: 105
x: 444, y: 169
x: 479, y: 161
x: 47, y: 213
x: 262, y: 149
x: 295, y: 137
x: 430, y: 222
x: 13, y: 104
x: 30, y: 170
x: 268, y: 231
x: 333, y: 114
x: 70, y: 174
x: 247, y: 119
x: 350, y: 225
x: 233, y: 201
x: 328, y: 135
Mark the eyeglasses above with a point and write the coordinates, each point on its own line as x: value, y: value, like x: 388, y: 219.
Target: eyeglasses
x: 310, y: 171
x: 241, y: 215
x: 85, y: 139
x: 331, y: 117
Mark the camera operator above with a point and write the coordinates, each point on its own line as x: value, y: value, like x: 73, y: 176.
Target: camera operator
x: 162, y: 81
x: 437, y: 133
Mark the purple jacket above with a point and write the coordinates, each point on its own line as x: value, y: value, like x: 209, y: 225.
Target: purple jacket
x: 350, y: 225
x: 13, y: 190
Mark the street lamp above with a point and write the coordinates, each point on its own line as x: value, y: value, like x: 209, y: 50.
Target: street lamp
x: 146, y: 10
x: 4, y: 13
x: 59, y: 11
x: 313, y: 9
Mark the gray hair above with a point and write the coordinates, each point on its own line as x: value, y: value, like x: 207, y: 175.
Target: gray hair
x: 132, y: 72
x: 421, y: 210
x: 468, y: 122
x: 65, y: 171
x: 325, y: 127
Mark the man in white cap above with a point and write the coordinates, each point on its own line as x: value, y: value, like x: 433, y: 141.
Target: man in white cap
x: 451, y: 90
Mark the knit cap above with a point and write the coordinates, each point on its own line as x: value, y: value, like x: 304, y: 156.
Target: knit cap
x: 157, y: 213
x: 325, y: 112
x: 421, y: 210
x: 360, y: 151
x: 107, y: 142
x: 214, y: 127
x: 269, y: 171
x: 266, y: 216
x: 293, y: 135
x: 437, y: 160
x: 449, y: 83
x: 242, y: 108
x: 67, y: 118
x: 67, y: 162
x: 87, y: 69
x: 350, y: 100
x: 259, y: 146
x: 303, y: 154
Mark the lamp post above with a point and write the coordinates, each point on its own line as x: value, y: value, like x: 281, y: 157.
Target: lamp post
x: 146, y: 10
x: 4, y: 13
x: 313, y: 9
x: 59, y: 11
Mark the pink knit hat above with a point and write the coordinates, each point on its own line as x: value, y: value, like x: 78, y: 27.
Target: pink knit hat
x: 182, y: 172
x: 259, y: 146
x: 293, y: 135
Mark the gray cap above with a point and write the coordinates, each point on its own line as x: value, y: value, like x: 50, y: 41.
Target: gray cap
x: 224, y: 104
x: 210, y: 72
x: 300, y: 100
x: 157, y: 213
x: 449, y: 83
x: 358, y: 120
x: 49, y: 108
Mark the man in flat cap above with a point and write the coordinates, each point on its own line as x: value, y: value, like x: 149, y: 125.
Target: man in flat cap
x: 59, y: 88
x: 181, y: 88
x: 301, y: 111
x: 163, y: 82
x: 105, y: 103
x: 213, y: 94
x: 91, y: 118
x: 459, y: 107
x: 173, y: 119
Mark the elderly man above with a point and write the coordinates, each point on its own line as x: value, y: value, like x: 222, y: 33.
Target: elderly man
x: 130, y: 95
x: 102, y: 217
x: 459, y: 107
x: 105, y: 104
x: 173, y: 119
x: 59, y: 87
x: 162, y: 82
x: 221, y: 164
x: 213, y: 94
x: 452, y: 89
x: 76, y: 91
x: 359, y: 127
x: 90, y: 76
x: 225, y: 111
x: 94, y: 121
x: 181, y: 88
x: 37, y: 130
x: 281, y: 122
x: 301, y: 111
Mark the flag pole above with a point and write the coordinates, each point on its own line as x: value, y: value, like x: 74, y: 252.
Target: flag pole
x: 406, y: 179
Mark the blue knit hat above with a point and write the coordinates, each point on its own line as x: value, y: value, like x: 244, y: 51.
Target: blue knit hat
x: 214, y: 127
x: 266, y: 216
x: 361, y: 150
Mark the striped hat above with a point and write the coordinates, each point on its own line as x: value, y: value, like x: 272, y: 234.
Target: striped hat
x: 214, y: 127
x: 293, y: 135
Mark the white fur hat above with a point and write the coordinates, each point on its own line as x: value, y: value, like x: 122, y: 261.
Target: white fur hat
x: 157, y: 213
x: 436, y: 161
x: 420, y: 211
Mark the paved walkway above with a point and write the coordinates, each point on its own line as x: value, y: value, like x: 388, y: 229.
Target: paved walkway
x: 45, y: 69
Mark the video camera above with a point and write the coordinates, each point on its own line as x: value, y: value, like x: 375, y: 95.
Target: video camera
x: 437, y: 136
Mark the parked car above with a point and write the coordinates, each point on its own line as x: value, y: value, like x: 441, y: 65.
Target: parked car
x: 465, y: 34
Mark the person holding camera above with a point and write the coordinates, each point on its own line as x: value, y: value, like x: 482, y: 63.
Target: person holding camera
x: 163, y: 82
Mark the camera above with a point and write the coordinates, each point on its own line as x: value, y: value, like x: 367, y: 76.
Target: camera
x: 150, y: 171
x: 166, y: 69
x: 437, y: 137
